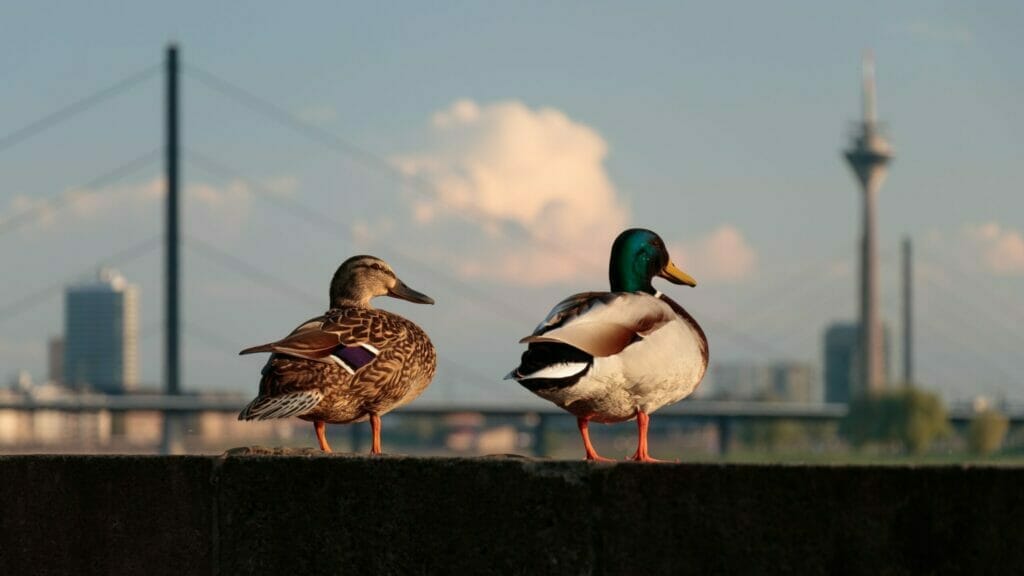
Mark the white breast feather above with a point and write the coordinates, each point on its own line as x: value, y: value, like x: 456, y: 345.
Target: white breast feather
x: 664, y: 367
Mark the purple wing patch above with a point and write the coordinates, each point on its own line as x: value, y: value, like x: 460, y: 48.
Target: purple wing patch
x: 353, y: 358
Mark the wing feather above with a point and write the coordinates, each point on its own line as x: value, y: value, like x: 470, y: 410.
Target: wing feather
x: 594, y: 338
x: 325, y: 339
x: 310, y: 341
x: 571, y: 308
x: 362, y: 348
x: 602, y: 323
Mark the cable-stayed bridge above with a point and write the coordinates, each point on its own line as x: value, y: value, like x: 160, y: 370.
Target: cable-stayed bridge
x: 965, y: 332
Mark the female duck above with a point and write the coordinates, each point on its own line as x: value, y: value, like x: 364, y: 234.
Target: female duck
x: 614, y: 356
x: 353, y: 363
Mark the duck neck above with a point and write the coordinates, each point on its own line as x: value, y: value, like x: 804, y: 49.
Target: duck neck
x: 343, y: 300
x: 623, y: 281
x: 348, y: 290
x: 348, y: 294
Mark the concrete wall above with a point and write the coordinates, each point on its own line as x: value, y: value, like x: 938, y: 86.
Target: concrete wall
x: 310, y: 514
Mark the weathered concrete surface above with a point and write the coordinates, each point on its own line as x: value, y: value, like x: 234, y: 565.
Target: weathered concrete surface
x: 105, y: 515
x: 254, y: 512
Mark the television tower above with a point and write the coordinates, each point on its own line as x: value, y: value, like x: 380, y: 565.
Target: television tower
x: 869, y: 154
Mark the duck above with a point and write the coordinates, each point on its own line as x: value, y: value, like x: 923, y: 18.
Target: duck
x: 353, y: 363
x: 619, y: 355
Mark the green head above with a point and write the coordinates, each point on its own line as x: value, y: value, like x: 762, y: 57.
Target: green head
x: 638, y: 255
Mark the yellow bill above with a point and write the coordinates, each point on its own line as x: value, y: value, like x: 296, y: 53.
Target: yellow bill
x: 677, y: 276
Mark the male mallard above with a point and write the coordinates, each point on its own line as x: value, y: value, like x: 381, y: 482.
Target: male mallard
x: 351, y: 364
x: 614, y: 356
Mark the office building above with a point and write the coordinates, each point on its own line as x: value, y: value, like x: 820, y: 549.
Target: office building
x: 101, y: 334
x: 842, y: 360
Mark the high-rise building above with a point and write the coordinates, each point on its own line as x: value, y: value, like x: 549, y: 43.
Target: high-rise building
x: 843, y: 361
x: 840, y: 360
x: 101, y: 334
x: 778, y: 381
x: 55, y: 360
x: 868, y: 155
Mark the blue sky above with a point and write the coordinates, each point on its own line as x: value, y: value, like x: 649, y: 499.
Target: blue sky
x: 719, y: 126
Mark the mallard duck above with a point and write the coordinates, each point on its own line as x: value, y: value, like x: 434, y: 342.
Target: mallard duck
x: 351, y: 364
x: 619, y: 355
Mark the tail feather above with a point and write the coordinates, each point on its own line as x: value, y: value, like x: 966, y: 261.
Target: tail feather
x: 255, y: 349
x: 283, y: 406
x: 554, y: 371
x: 551, y: 365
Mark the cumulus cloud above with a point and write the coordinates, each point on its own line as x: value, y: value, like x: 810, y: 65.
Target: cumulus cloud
x: 522, y: 195
x: 724, y: 255
x: 1000, y: 250
x: 518, y: 172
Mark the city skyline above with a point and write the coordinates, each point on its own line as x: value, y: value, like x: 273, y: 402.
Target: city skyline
x: 679, y: 147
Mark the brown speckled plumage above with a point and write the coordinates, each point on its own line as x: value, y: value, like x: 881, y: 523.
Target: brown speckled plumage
x: 400, y: 373
x: 351, y: 364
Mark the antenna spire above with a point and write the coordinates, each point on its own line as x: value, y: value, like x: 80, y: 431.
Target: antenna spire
x: 868, y: 73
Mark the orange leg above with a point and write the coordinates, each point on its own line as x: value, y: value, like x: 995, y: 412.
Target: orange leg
x: 641, y: 455
x: 584, y: 424
x: 375, y: 428
x: 321, y: 435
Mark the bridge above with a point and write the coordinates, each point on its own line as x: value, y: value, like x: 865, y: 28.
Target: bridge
x: 724, y: 415
x: 978, y: 332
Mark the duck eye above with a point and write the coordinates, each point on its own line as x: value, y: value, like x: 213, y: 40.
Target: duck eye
x: 380, y: 267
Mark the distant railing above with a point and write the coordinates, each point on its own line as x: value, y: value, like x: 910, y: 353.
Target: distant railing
x: 722, y: 417
x: 215, y: 403
x: 211, y: 403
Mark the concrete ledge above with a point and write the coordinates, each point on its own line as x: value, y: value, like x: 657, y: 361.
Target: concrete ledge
x: 303, y: 513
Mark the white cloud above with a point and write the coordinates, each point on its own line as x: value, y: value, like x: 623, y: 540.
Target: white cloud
x: 22, y: 204
x: 985, y: 248
x: 229, y: 203
x: 999, y: 250
x: 521, y: 195
x: 460, y: 112
x: 83, y: 204
x: 517, y: 172
x: 224, y: 204
x: 723, y: 255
